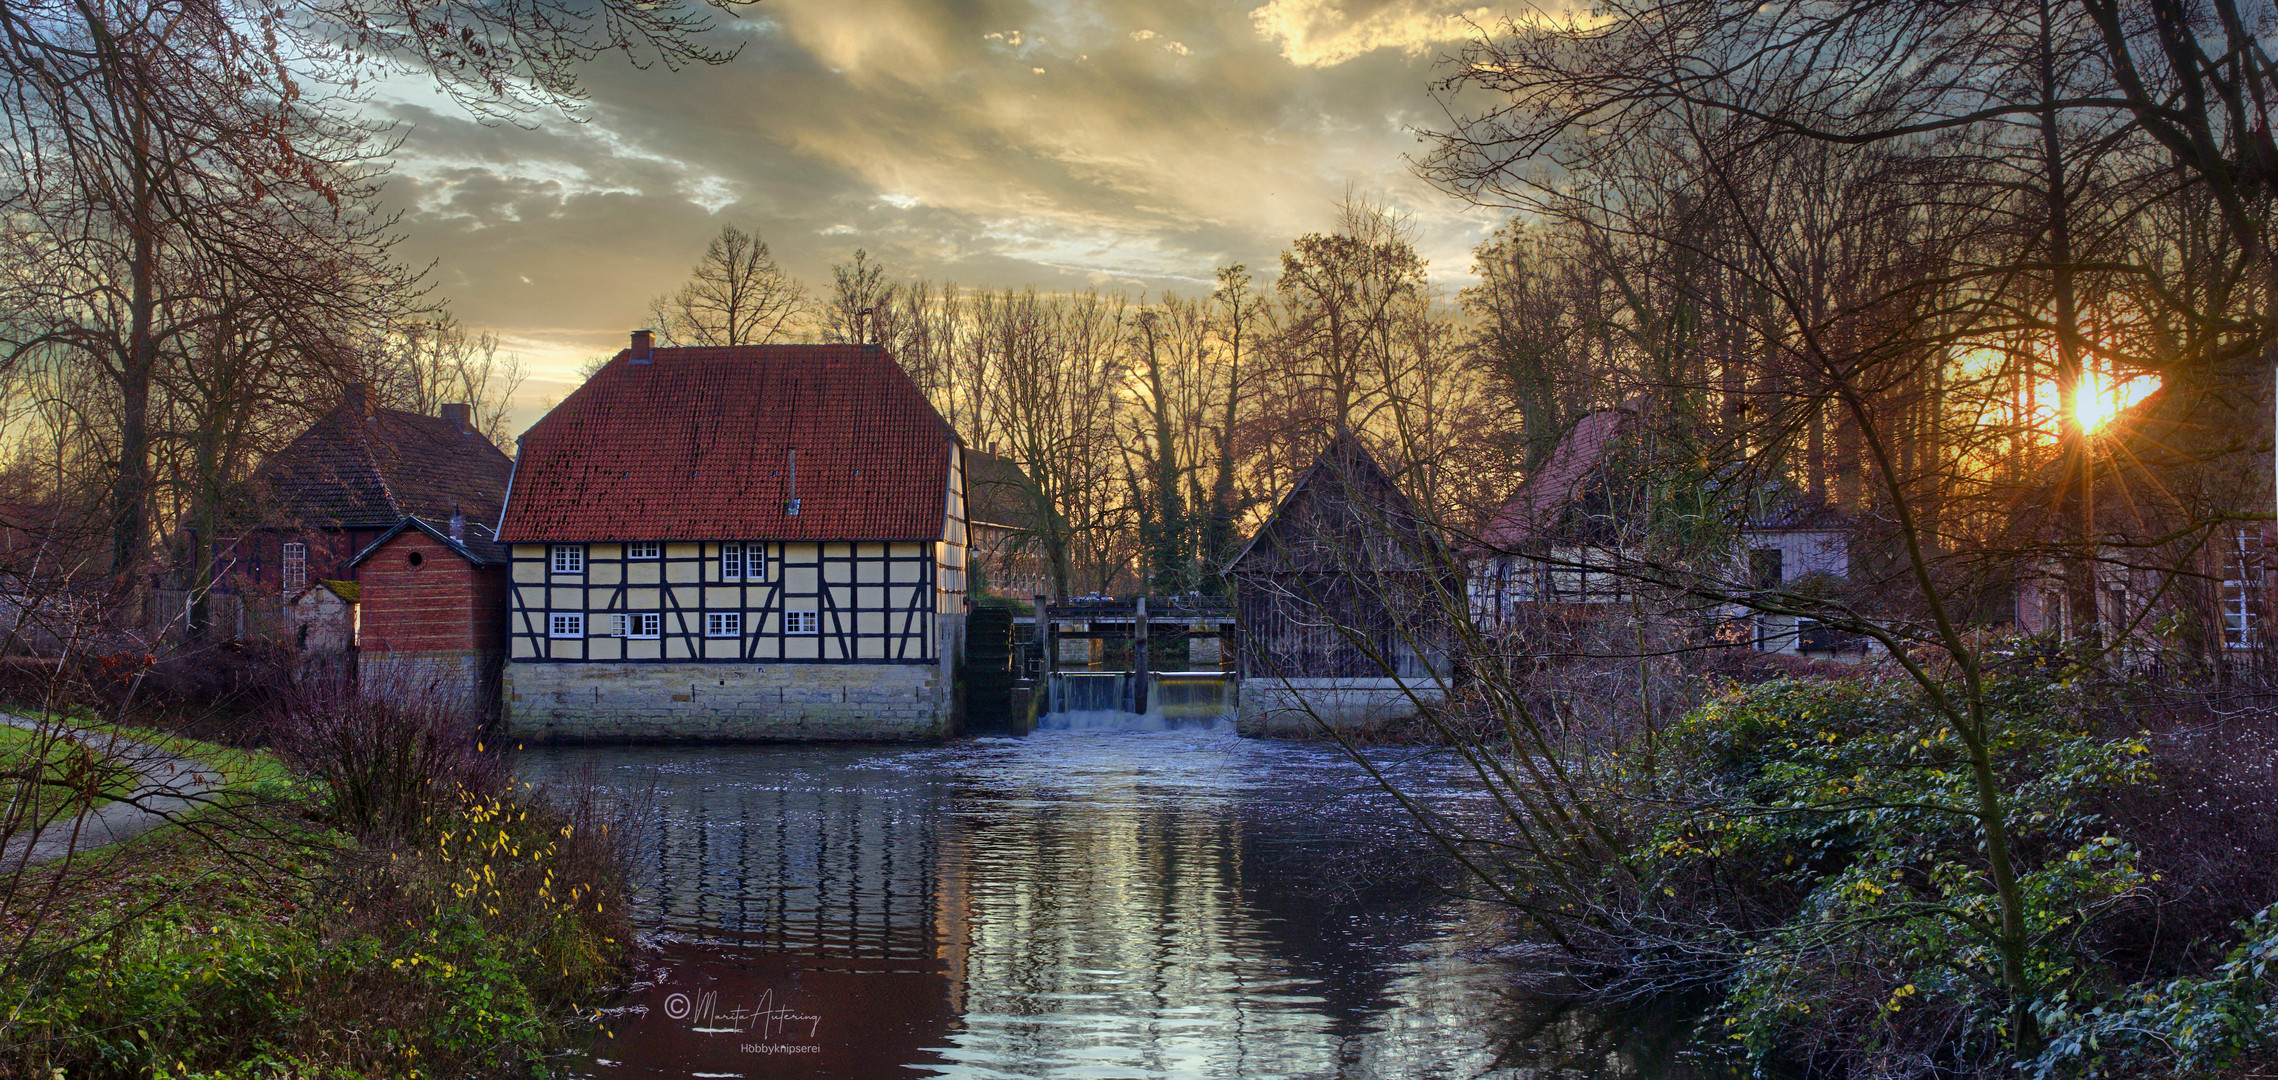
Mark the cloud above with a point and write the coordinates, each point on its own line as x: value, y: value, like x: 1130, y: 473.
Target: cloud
x: 1322, y: 33
x: 1161, y: 139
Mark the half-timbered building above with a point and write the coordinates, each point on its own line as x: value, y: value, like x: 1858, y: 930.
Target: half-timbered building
x: 756, y: 542
x: 1554, y: 571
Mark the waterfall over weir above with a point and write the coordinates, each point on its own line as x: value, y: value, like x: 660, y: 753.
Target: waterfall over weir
x: 1129, y: 701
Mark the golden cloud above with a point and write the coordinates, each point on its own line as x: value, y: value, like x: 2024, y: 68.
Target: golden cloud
x: 1323, y: 33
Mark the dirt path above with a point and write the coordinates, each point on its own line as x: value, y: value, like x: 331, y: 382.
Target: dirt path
x: 171, y: 784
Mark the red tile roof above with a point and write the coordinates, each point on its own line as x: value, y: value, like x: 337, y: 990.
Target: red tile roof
x: 1563, y: 480
x: 363, y: 467
x: 697, y: 445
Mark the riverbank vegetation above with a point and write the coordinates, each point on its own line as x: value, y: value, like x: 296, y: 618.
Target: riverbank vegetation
x: 1811, y: 849
x: 1804, y: 860
x: 319, y: 915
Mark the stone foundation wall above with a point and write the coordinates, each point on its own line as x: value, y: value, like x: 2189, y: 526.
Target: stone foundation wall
x: 692, y: 702
x: 465, y: 678
x: 1279, y: 707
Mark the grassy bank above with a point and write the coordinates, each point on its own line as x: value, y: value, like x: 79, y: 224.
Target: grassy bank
x: 278, y: 933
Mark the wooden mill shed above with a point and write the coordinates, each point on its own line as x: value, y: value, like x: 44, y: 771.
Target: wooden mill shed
x: 1344, y: 598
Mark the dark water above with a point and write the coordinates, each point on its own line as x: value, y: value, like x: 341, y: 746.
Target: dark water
x: 1074, y: 904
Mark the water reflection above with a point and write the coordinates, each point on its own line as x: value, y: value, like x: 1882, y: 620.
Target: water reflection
x: 1075, y: 904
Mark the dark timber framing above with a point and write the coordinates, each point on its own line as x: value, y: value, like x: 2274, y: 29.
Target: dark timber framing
x: 875, y: 603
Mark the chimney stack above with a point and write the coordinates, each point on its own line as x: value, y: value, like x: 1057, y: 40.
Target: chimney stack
x: 458, y: 525
x: 644, y: 346
x: 357, y: 398
x: 457, y: 415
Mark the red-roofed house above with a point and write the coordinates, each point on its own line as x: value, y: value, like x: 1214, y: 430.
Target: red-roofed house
x: 757, y: 542
x: 1552, y: 556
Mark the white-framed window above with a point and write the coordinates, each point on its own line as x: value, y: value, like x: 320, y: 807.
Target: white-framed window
x: 743, y: 562
x: 569, y: 558
x: 723, y: 624
x: 636, y: 624
x: 2242, y: 590
x: 295, y: 568
x: 566, y: 624
x: 799, y: 622
x: 644, y: 549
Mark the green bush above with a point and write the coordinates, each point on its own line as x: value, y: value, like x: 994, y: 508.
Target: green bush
x: 2187, y: 1026
x: 1826, y: 835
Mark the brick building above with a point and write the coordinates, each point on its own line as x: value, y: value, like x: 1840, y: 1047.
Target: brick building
x: 355, y: 475
x: 432, y: 619
x: 761, y: 542
x: 1008, y: 555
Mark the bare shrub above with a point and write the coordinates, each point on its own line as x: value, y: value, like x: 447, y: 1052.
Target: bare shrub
x: 2203, y: 824
x: 390, y: 763
x: 231, y: 678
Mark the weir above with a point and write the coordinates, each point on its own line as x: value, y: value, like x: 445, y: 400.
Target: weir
x: 1124, y: 701
x: 1148, y: 663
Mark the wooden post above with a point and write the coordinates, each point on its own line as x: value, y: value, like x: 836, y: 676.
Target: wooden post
x: 1048, y: 640
x: 1139, y: 656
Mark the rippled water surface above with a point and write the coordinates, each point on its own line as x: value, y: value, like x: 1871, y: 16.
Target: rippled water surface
x: 1073, y: 904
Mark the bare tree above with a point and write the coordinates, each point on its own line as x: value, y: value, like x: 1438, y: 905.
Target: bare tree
x: 861, y: 299
x: 1343, y: 294
x: 736, y: 295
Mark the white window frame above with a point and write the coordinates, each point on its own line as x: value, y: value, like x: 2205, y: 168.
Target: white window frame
x: 2241, y: 613
x: 743, y: 561
x: 637, y: 625
x: 567, y: 559
x: 723, y: 624
x: 292, y: 569
x: 802, y: 623
x: 644, y: 549
x: 565, y: 625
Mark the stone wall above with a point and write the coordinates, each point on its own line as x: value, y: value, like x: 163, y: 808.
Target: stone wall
x: 1288, y: 706
x: 461, y: 678
x: 694, y: 702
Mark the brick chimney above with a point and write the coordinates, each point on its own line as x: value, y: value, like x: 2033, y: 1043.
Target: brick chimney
x: 357, y: 398
x: 457, y: 415
x: 644, y: 346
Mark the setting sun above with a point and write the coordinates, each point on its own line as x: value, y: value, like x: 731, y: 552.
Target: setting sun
x: 2102, y: 397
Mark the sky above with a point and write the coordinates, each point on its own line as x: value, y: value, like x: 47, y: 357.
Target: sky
x: 1129, y: 144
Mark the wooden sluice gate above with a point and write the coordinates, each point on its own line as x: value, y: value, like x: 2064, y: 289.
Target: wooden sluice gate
x: 1163, y: 658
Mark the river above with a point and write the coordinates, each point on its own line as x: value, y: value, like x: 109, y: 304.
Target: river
x: 1073, y: 904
